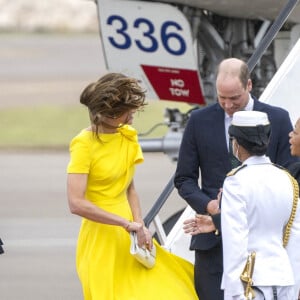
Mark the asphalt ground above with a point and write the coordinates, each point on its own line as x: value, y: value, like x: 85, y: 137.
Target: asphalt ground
x: 37, y: 229
x: 47, y: 68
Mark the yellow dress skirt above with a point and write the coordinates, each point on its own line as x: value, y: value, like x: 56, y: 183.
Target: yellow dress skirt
x: 106, y: 268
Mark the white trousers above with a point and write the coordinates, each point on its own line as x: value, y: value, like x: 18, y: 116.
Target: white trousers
x: 266, y: 293
x: 283, y: 293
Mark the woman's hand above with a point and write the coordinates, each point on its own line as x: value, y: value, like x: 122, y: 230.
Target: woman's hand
x: 144, y: 235
x: 199, y: 224
x: 145, y: 238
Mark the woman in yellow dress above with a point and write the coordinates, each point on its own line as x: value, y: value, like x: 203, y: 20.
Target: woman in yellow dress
x: 101, y: 190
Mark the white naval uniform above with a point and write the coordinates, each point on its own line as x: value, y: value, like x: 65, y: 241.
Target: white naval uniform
x: 256, y: 205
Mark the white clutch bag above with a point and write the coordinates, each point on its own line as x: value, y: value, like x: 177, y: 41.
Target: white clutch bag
x: 143, y: 255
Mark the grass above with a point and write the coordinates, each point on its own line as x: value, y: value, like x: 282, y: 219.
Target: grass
x: 41, y: 126
x: 53, y: 126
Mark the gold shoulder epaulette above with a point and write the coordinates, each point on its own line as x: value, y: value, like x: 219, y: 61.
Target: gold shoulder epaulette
x: 280, y: 167
x: 235, y: 170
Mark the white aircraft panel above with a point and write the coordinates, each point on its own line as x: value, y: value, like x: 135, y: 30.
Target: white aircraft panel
x: 254, y: 9
x: 283, y: 89
x: 156, y: 48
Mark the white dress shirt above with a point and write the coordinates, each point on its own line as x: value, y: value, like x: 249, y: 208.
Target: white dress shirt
x: 228, y: 118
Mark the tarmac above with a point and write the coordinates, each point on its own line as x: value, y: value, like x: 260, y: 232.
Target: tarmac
x: 38, y: 231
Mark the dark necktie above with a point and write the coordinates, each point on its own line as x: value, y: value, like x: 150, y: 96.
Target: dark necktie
x: 234, y: 161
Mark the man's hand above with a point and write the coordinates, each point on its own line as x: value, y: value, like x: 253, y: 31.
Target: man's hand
x: 213, y: 206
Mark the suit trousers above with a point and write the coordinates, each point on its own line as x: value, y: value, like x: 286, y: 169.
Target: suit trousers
x: 208, y: 271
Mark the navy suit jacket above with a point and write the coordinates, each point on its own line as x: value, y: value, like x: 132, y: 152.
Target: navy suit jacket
x: 204, y: 154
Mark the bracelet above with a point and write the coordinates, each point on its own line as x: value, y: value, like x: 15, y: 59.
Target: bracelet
x: 127, y: 226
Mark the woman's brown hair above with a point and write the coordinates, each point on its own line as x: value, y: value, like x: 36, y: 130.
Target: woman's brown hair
x: 111, y: 96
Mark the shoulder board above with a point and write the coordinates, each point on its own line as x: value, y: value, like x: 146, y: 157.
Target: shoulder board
x: 291, y: 173
x: 235, y: 170
x: 280, y: 167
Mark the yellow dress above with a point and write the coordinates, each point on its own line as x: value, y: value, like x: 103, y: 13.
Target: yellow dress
x: 106, y: 269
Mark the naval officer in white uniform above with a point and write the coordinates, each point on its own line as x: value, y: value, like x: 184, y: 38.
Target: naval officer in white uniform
x: 256, y: 206
x: 258, y: 200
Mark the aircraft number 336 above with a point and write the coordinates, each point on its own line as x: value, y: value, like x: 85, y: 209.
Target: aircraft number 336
x: 169, y: 34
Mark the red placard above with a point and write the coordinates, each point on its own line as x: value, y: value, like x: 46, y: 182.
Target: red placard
x: 175, y: 84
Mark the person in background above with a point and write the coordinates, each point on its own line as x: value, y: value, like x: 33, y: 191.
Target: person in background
x: 295, y: 150
x: 1, y: 248
x: 295, y: 139
x: 206, y: 153
x: 294, y: 168
x: 101, y: 190
x: 261, y: 214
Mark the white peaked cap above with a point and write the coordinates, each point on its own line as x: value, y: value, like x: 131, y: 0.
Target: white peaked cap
x: 249, y: 118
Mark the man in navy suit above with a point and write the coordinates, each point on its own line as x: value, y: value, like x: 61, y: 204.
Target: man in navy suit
x: 204, y: 153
